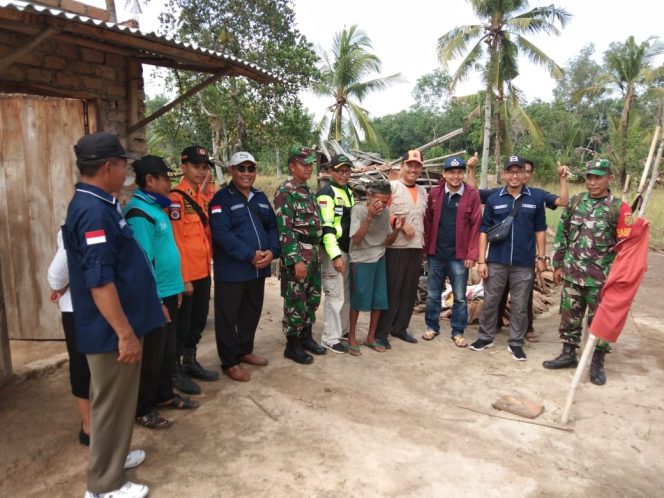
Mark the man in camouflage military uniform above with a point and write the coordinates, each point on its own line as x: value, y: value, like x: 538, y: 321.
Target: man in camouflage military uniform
x: 300, y: 232
x: 588, y: 229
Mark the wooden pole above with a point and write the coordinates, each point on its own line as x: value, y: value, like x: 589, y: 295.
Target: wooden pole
x: 628, y: 179
x: 653, y: 179
x: 583, y: 363
x: 646, y: 168
x: 435, y: 142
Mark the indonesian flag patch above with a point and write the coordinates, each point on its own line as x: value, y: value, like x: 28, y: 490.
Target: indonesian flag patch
x: 95, y: 237
x: 215, y: 209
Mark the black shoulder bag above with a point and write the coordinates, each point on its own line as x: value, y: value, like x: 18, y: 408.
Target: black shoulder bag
x: 500, y: 231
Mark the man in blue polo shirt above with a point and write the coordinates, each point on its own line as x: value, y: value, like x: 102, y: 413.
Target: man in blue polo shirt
x: 512, y: 258
x: 115, y: 304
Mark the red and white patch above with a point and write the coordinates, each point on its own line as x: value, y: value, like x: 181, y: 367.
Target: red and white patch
x: 174, y: 211
x: 215, y: 209
x: 95, y: 237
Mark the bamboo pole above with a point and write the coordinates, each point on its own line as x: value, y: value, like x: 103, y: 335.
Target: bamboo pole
x: 583, y: 363
x: 435, y: 142
x: 433, y: 159
x: 628, y: 179
x: 653, y: 179
x: 651, y: 153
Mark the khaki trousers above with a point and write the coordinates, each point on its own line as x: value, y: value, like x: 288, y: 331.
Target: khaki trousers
x: 336, y: 307
x: 113, y: 397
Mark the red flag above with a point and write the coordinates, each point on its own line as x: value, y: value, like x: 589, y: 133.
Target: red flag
x: 623, y: 282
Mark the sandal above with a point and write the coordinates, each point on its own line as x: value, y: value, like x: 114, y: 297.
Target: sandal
x: 460, y: 341
x: 375, y: 346
x: 429, y: 335
x: 153, y: 420
x: 354, y: 350
x: 180, y: 403
x: 532, y: 337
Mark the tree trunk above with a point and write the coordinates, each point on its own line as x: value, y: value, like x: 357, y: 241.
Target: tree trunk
x: 484, y: 173
x: 498, y: 136
x: 622, y: 134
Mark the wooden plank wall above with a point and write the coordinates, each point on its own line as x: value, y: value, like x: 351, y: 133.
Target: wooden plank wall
x: 37, y: 178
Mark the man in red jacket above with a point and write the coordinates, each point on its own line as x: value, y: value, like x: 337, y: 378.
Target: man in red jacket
x: 451, y: 238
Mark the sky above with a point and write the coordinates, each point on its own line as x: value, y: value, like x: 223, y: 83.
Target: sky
x: 405, y: 33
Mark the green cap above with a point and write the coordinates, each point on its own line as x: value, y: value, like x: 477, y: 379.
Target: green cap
x: 599, y: 167
x: 300, y: 152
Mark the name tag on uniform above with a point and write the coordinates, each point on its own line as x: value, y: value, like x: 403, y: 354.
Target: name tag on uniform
x: 529, y: 206
x: 501, y: 206
x: 237, y: 206
x: 215, y: 209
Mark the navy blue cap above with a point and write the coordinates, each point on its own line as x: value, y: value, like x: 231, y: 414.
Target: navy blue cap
x: 100, y: 145
x: 154, y: 165
x: 454, y: 162
x: 515, y: 161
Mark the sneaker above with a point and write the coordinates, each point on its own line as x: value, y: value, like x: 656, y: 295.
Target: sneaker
x: 128, y: 490
x: 517, y: 353
x: 134, y: 459
x: 337, y: 348
x: 481, y: 345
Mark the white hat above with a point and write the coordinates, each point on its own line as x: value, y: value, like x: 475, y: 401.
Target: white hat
x: 241, y: 157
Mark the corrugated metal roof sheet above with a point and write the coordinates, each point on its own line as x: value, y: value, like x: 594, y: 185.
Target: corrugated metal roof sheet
x: 42, y: 10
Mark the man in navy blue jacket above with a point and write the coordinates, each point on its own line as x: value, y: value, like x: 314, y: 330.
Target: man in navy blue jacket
x: 244, y: 243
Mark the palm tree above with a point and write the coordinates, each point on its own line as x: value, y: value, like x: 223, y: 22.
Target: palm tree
x: 628, y: 69
x: 498, y: 41
x: 343, y: 71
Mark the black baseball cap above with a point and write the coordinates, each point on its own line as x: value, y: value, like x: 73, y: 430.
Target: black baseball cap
x: 196, y: 155
x: 154, y: 165
x: 340, y: 160
x: 515, y: 161
x: 101, y: 145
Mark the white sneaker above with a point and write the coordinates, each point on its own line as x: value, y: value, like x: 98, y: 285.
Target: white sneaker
x: 129, y: 490
x: 134, y: 459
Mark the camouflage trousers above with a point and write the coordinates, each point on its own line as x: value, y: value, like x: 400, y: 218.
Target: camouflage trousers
x: 301, y: 298
x: 574, y: 301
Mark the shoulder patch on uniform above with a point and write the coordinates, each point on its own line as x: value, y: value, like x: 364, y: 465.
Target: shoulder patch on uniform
x: 215, y: 209
x: 628, y: 219
x: 175, y: 211
x: 95, y: 237
x: 322, y: 202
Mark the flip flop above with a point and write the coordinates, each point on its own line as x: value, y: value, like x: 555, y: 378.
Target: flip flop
x: 354, y: 350
x: 429, y: 335
x: 460, y: 341
x: 375, y: 346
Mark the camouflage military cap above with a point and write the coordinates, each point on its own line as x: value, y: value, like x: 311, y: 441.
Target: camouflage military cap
x: 599, y: 167
x: 301, y: 153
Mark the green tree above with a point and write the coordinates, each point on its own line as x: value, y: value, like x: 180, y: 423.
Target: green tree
x: 497, y: 42
x: 628, y: 68
x: 343, y: 72
x: 239, y: 111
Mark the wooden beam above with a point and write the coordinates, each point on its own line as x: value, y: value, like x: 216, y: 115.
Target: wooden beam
x: 46, y: 90
x: 192, y: 91
x: 5, y: 353
x: 102, y: 47
x: 8, y: 60
x: 133, y: 76
x: 173, y: 64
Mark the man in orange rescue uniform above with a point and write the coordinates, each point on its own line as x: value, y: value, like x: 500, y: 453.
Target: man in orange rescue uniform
x: 188, y: 213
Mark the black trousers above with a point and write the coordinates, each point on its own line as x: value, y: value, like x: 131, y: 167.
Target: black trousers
x: 403, y: 276
x: 79, y: 372
x: 158, y: 363
x: 237, y: 310
x: 503, y: 305
x: 193, y: 316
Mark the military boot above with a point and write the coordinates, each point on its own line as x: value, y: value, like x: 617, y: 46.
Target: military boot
x: 194, y: 369
x: 597, y: 373
x: 182, y: 382
x: 566, y: 359
x: 294, y: 351
x: 308, y: 342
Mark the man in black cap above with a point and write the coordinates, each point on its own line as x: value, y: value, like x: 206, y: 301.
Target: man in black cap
x: 152, y: 229
x: 335, y: 201
x: 189, y: 217
x: 115, y: 304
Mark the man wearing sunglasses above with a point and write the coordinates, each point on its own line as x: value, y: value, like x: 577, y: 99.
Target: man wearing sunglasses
x: 244, y: 243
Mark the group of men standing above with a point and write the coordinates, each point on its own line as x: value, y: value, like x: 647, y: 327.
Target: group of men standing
x: 141, y: 279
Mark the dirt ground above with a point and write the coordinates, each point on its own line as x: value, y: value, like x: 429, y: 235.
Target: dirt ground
x: 377, y: 425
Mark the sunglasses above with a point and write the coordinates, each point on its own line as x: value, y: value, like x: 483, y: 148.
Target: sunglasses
x: 243, y: 169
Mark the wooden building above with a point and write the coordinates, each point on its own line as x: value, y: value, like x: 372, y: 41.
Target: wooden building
x: 66, y: 71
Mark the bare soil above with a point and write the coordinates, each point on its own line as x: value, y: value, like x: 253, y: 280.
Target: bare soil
x: 386, y: 424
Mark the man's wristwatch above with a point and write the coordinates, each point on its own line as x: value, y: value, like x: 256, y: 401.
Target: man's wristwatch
x: 543, y: 258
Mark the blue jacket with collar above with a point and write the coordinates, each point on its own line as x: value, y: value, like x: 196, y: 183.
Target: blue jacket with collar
x: 241, y: 226
x: 518, y: 249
